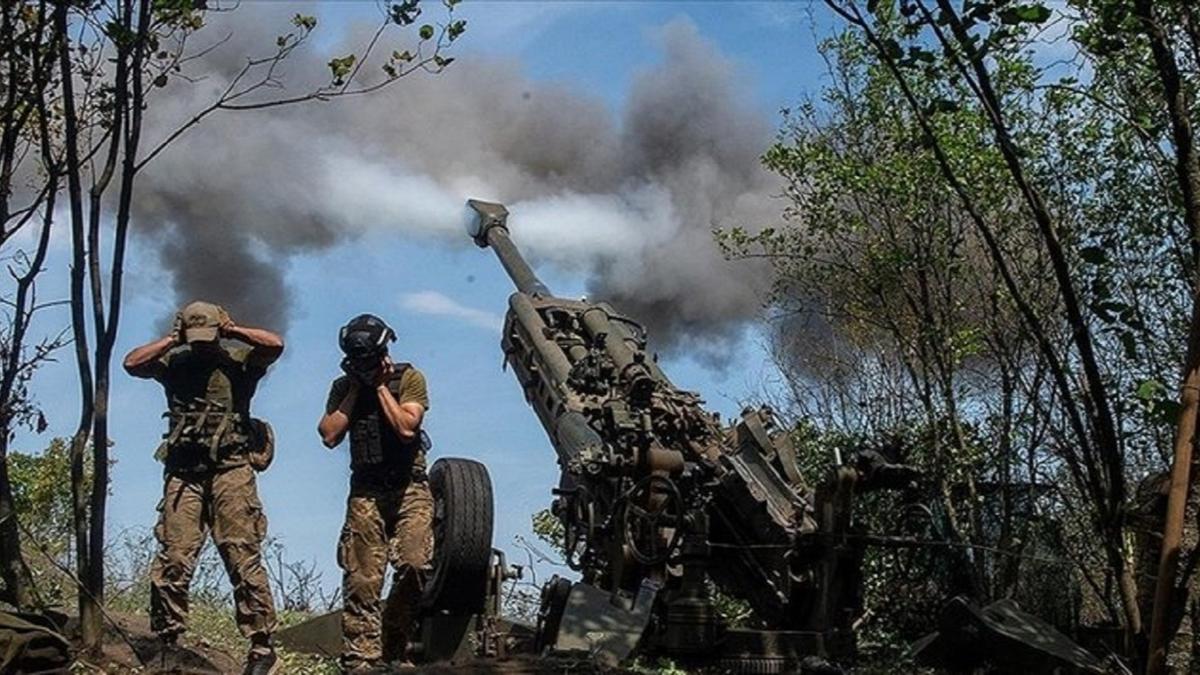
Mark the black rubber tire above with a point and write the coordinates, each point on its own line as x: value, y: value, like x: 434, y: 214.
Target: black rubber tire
x: 553, y: 605
x: 462, y: 542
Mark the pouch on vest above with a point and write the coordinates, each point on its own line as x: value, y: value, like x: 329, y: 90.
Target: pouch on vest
x: 203, y: 425
x: 262, y: 444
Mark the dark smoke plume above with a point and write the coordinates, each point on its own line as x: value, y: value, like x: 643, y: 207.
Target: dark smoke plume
x: 629, y: 202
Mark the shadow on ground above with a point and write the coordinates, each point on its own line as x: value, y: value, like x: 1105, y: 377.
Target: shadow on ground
x: 129, y: 646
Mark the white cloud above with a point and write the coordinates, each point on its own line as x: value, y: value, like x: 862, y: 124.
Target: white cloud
x: 432, y: 302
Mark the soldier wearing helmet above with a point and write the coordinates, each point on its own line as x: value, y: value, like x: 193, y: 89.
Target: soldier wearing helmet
x: 389, y: 513
x: 209, y: 368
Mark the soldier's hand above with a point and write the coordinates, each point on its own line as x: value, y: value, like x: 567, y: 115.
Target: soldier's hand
x: 386, y: 368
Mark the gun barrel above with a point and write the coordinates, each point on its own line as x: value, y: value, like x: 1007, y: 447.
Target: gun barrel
x: 488, y: 226
x: 514, y: 263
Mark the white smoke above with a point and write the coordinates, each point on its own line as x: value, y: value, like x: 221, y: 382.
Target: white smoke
x: 629, y: 202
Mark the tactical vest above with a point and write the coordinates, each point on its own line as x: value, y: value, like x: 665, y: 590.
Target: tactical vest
x: 375, y: 448
x: 208, y: 398
x: 204, y: 425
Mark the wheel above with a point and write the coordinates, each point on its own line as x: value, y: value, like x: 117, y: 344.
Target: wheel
x: 576, y: 511
x: 651, y: 509
x: 462, y: 536
x: 550, y: 612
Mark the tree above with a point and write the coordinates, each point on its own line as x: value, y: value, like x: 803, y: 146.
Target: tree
x: 30, y: 171
x: 1098, y: 467
x: 1006, y: 238
x: 42, y: 494
x: 108, y: 59
x: 1170, y: 31
x: 891, y: 328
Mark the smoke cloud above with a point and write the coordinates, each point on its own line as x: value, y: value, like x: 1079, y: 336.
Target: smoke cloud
x: 628, y: 200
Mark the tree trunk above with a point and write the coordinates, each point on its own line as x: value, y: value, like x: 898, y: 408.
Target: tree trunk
x: 1171, y: 599
x: 99, y: 496
x: 89, y: 612
x: 18, y: 582
x: 1171, y: 594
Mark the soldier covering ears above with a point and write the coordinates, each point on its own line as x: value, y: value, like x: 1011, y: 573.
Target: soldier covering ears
x: 389, y: 512
x: 209, y: 368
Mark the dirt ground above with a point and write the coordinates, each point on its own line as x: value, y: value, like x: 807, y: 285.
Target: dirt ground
x: 515, y: 666
x: 130, y: 647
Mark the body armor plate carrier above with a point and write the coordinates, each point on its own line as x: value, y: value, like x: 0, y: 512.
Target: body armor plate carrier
x: 205, y: 425
x: 374, y: 446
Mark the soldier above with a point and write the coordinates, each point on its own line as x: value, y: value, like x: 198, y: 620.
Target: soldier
x: 390, y: 508
x: 210, y: 451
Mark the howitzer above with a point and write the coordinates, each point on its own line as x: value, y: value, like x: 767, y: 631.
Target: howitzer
x: 657, y: 498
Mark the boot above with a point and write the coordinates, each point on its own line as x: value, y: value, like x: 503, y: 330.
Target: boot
x: 366, y: 669
x: 168, y: 652
x: 262, y: 664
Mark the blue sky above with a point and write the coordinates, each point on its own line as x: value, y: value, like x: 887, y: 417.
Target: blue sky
x: 444, y: 300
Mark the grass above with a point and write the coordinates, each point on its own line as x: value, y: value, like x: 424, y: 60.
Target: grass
x: 215, y: 627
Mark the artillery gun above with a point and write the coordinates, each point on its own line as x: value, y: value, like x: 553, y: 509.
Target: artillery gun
x: 659, y: 501
x: 661, y: 504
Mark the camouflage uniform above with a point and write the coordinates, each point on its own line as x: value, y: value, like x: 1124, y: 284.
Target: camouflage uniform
x: 389, y: 516
x: 227, y: 503
x: 210, y: 485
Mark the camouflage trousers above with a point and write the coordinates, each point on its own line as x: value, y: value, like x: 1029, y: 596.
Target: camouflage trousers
x: 381, y: 526
x: 225, y: 502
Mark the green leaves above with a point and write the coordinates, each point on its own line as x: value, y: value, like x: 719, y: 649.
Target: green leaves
x: 549, y: 529
x: 1149, y: 390
x: 1157, y: 401
x: 893, y: 49
x: 41, y: 485
x: 305, y: 23
x: 1095, y: 255
x: 943, y: 105
x: 184, y: 14
x: 1035, y: 14
x: 340, y: 68
x: 405, y: 13
x: 119, y: 34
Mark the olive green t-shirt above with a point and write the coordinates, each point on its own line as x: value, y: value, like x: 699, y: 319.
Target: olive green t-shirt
x: 401, y: 458
x: 227, y: 377
x: 412, y: 390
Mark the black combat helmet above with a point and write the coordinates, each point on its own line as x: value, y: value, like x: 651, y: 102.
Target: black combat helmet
x: 365, y: 336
